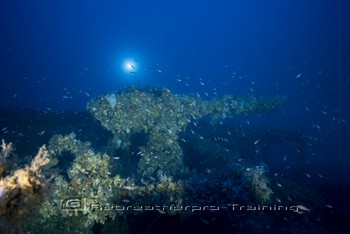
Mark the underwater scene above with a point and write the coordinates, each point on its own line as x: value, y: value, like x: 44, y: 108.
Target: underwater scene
x: 223, y: 116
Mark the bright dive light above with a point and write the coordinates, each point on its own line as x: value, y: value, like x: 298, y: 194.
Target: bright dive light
x: 130, y: 66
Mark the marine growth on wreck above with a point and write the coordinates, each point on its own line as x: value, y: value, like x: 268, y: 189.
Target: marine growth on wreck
x: 163, y: 116
x: 91, y: 188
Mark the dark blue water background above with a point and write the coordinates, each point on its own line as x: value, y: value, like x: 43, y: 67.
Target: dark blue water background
x: 57, y: 55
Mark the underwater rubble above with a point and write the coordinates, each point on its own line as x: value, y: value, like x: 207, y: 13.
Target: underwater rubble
x: 74, y: 184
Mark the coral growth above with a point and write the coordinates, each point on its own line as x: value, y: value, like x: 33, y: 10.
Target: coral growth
x: 88, y: 177
x: 259, y: 183
x: 6, y: 149
x: 5, y: 152
x: 22, y: 191
x: 90, y: 182
x: 163, y: 116
x: 90, y: 188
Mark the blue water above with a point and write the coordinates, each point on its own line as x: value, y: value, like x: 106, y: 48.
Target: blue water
x: 58, y: 55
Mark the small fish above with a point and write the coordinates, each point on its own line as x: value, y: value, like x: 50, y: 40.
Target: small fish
x: 116, y: 158
x: 317, y: 126
x: 129, y: 188
x: 298, y: 75
x: 279, y: 185
x: 256, y: 142
x: 303, y: 208
x: 161, y: 212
